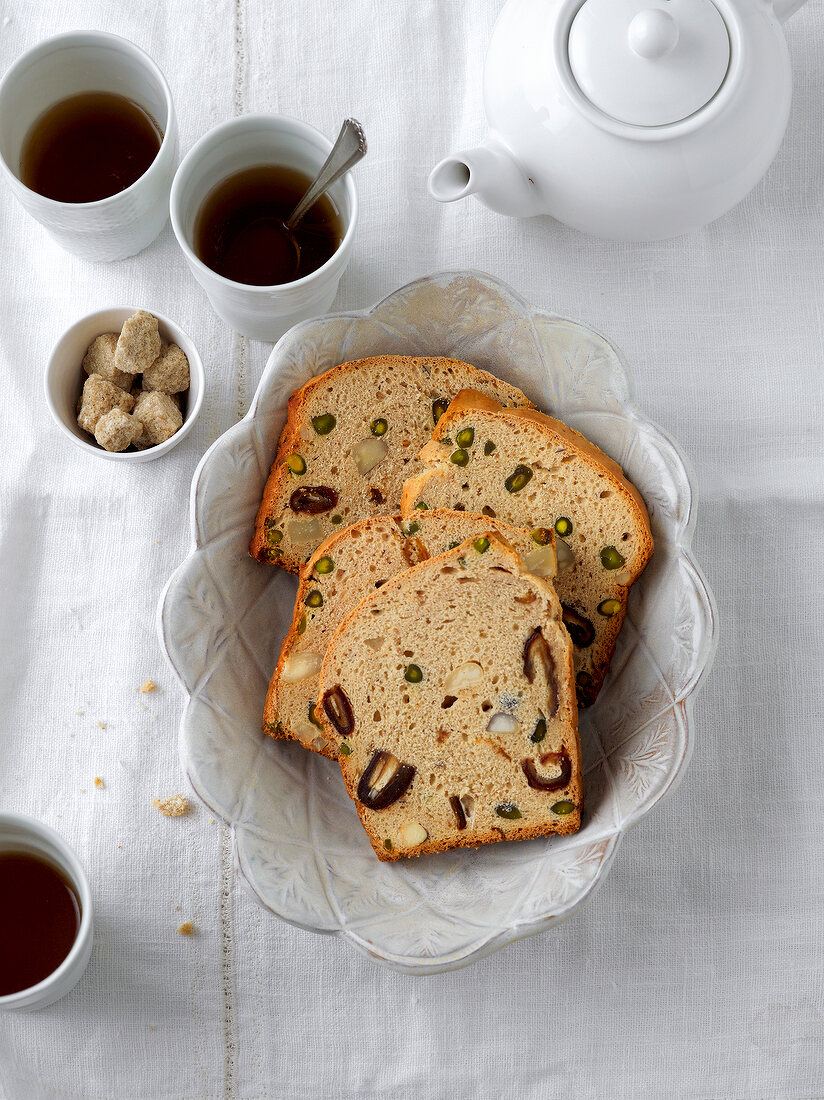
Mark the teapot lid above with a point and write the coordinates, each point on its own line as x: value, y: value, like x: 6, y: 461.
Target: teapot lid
x: 649, y: 62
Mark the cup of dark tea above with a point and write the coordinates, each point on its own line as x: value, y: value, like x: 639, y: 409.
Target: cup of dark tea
x: 88, y: 142
x: 230, y: 198
x: 46, y: 924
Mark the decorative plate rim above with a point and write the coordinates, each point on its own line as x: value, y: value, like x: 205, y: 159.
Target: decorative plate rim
x: 518, y: 929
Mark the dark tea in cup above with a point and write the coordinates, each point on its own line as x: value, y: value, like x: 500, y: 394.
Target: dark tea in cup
x: 39, y: 920
x: 88, y: 147
x: 240, y: 230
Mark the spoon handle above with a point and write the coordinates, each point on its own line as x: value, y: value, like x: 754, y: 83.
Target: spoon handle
x: 349, y: 148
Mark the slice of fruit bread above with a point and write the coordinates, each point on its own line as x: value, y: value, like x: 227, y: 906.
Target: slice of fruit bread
x: 349, y: 566
x: 351, y: 439
x: 530, y: 470
x: 450, y: 695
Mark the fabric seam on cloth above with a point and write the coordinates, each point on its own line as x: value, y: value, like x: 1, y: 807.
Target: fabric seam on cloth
x: 230, y: 1031
x: 230, y: 1037
x: 242, y: 342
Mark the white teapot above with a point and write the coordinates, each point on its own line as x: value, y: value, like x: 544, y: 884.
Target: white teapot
x: 631, y: 119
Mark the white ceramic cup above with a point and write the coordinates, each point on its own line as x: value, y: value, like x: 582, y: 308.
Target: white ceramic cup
x: 69, y: 64
x: 24, y: 834
x: 262, y: 312
x: 64, y: 380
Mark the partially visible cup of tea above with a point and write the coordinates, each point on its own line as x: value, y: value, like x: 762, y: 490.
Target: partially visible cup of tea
x: 230, y: 197
x: 46, y: 924
x: 88, y: 142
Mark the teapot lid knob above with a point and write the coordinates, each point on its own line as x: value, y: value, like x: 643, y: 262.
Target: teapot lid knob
x: 653, y: 33
x: 649, y: 62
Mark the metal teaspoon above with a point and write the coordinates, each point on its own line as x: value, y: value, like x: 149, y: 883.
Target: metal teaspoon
x: 349, y: 148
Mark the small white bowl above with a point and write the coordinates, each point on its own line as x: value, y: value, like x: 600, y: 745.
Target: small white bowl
x: 23, y: 834
x: 65, y: 377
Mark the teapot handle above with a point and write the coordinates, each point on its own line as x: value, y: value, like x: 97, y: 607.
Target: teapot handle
x: 785, y: 8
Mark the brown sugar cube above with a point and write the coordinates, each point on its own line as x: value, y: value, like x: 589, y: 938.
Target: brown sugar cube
x: 100, y: 397
x: 99, y: 359
x: 159, y: 416
x: 137, y: 390
x: 169, y: 373
x: 116, y: 430
x: 139, y: 343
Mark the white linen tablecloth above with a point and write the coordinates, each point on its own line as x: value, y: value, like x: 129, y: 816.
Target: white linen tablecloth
x: 697, y: 969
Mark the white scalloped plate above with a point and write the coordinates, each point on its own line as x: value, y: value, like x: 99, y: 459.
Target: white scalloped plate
x: 299, y: 845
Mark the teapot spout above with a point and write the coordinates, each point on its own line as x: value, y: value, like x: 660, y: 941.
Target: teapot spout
x: 785, y: 8
x: 492, y: 174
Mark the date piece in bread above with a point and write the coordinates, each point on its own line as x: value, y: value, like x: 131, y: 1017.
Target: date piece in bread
x: 533, y: 471
x: 351, y: 439
x: 450, y: 694
x: 346, y: 568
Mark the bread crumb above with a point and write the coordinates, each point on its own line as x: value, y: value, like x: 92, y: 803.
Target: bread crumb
x: 82, y: 790
x: 80, y: 713
x: 174, y: 806
x: 148, y: 685
x: 177, y: 907
x: 187, y: 928
x: 98, y: 782
x: 102, y: 725
x: 211, y: 821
